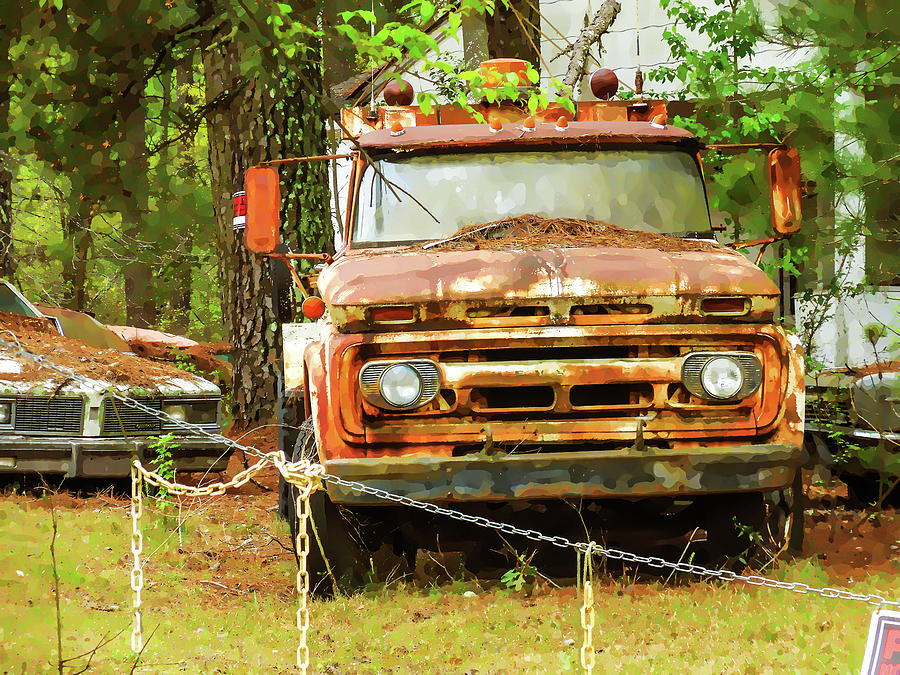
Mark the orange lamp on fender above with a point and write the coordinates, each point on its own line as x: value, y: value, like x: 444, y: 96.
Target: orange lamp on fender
x: 263, y: 229
x: 785, y: 184
x: 313, y: 307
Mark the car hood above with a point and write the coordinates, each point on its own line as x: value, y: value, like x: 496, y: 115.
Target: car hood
x: 405, y: 276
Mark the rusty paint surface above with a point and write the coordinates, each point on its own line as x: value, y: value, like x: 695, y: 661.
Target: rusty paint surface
x: 549, y: 322
x: 625, y: 473
x: 676, y: 282
x: 357, y: 122
x: 767, y: 428
x: 456, y: 136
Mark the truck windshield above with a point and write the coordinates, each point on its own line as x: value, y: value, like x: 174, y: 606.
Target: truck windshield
x: 654, y: 190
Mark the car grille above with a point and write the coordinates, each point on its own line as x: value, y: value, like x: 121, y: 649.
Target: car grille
x: 120, y: 419
x: 48, y: 414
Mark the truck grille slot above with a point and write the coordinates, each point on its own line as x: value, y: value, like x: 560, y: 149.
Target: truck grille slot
x: 513, y: 398
x: 123, y: 419
x: 49, y: 414
x: 606, y: 395
x: 556, y: 353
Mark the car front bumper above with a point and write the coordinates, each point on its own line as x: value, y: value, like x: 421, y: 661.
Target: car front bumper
x: 627, y: 474
x: 104, y: 457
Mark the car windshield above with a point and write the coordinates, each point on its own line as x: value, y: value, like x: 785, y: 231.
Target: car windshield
x: 654, y: 190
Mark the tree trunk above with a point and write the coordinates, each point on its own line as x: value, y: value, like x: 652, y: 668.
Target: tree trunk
x: 140, y: 300
x: 7, y: 258
x: 263, y: 120
x: 513, y: 31
x: 77, y: 235
x: 181, y: 299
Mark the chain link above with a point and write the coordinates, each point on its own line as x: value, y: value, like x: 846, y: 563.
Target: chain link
x: 303, y: 492
x: 611, y: 553
x: 137, y: 546
x: 587, y: 614
x: 304, y: 473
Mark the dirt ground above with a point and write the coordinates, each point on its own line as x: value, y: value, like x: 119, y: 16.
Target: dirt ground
x: 848, y: 545
x: 224, y: 581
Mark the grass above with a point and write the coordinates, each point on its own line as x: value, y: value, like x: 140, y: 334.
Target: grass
x: 248, y: 626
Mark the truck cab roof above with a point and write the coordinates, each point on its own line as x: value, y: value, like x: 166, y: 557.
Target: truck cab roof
x: 512, y: 135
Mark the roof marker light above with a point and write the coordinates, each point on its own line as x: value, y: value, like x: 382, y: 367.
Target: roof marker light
x: 528, y: 124
x: 397, y: 129
x: 562, y: 124
x: 496, y: 126
x: 659, y: 122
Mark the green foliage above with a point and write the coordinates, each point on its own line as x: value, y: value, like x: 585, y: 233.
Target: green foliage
x: 520, y: 575
x: 163, y: 464
x: 833, y: 98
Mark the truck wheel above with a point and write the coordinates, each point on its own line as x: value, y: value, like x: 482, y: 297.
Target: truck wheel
x: 334, y: 543
x: 290, y: 416
x: 865, y: 490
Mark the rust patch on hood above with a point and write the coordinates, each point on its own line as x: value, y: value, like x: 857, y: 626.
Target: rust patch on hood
x: 395, y: 275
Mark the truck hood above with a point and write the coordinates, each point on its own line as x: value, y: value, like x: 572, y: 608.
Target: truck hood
x: 412, y: 277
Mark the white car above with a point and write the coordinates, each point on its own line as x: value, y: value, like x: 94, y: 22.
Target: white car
x: 53, y: 424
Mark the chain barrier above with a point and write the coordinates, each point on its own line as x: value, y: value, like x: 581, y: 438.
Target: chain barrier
x: 587, y: 613
x: 305, y: 474
x: 303, y: 493
x: 137, y: 546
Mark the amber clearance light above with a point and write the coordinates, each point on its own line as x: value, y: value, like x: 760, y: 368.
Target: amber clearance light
x: 392, y: 314
x: 313, y: 307
x: 725, y: 306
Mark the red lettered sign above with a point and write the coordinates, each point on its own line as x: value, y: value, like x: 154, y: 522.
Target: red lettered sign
x: 882, y: 655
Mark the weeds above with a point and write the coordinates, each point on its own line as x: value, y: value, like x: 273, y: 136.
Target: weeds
x: 520, y: 575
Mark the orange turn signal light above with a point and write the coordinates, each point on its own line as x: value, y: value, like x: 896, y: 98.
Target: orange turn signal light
x: 732, y: 306
x: 396, y: 314
x: 313, y: 307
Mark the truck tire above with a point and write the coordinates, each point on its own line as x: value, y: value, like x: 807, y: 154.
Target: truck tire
x: 747, y: 527
x: 290, y: 415
x: 282, y: 286
x: 335, y: 543
x: 864, y: 490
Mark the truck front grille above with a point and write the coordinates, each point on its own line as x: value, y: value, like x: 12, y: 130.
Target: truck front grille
x: 49, y: 414
x: 120, y: 419
x: 568, y: 385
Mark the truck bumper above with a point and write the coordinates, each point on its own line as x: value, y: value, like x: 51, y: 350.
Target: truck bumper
x: 106, y: 457
x: 594, y: 475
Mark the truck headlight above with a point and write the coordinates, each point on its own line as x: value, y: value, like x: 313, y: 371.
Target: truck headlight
x: 721, y: 376
x: 399, y: 385
x: 5, y: 412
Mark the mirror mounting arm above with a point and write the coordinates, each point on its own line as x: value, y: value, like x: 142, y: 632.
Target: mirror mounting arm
x: 762, y: 243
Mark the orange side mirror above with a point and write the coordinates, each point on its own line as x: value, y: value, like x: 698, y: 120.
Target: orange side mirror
x: 784, y: 182
x: 263, y: 229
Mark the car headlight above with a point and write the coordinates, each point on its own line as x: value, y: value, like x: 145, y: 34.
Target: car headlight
x: 721, y: 376
x: 179, y: 412
x: 5, y: 412
x: 399, y: 385
x: 196, y: 411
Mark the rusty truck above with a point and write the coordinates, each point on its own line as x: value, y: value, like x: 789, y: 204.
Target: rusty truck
x: 530, y: 319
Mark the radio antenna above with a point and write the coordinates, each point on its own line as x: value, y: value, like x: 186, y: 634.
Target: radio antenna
x: 372, y: 114
x: 638, y: 75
